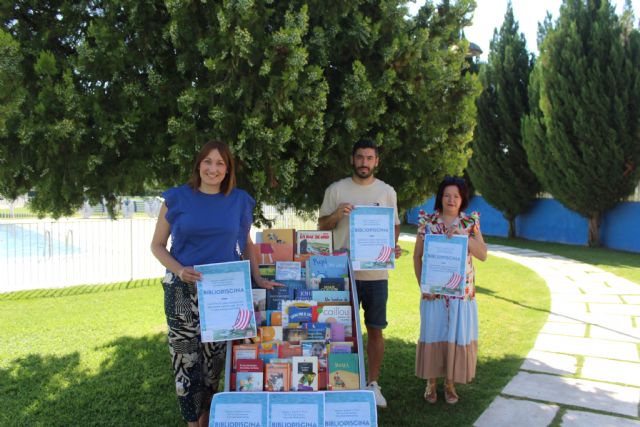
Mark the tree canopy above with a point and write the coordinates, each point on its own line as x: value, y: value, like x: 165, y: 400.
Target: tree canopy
x: 582, y: 135
x: 107, y: 98
x: 498, y: 167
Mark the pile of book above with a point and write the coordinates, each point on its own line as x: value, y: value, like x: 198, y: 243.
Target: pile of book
x: 306, y: 335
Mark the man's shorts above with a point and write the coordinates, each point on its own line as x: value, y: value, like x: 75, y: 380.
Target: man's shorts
x: 373, y: 294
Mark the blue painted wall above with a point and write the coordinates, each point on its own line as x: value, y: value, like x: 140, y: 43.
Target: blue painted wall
x: 550, y: 221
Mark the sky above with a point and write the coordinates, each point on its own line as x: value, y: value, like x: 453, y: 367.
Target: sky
x: 489, y: 14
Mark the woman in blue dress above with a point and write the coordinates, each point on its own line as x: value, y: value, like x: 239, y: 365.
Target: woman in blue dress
x: 208, y: 220
x: 448, y: 344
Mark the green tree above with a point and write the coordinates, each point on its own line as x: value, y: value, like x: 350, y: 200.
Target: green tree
x: 582, y: 135
x: 120, y: 95
x: 498, y: 167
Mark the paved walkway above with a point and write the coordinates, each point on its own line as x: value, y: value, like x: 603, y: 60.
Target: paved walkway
x: 584, y: 369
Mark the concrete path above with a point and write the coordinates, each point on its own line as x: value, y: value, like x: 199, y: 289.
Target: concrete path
x: 584, y: 369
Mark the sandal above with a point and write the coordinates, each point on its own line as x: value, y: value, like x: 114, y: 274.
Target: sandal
x: 450, y: 394
x: 430, y: 394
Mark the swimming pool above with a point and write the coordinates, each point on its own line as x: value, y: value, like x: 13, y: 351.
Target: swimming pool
x: 34, y: 241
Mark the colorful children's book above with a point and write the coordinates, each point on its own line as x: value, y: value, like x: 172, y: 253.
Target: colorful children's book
x: 318, y: 331
x: 294, y: 335
x: 267, y: 351
x: 249, y: 375
x: 343, y: 372
x: 244, y: 351
x: 309, y: 306
x: 304, y: 373
x: 316, y: 348
x: 340, y: 347
x: 267, y: 271
x: 277, y: 377
x: 288, y: 270
x: 303, y: 294
x: 297, y: 314
x: 336, y: 313
x: 277, y: 245
x: 316, y: 242
x: 270, y: 334
x: 330, y: 296
x: 327, y: 266
x: 294, y: 284
x: 276, y: 295
x: 286, y: 350
x: 337, y: 331
x: 259, y: 299
x: 331, y: 284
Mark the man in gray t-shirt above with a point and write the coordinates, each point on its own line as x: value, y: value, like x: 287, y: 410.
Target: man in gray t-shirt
x: 362, y: 188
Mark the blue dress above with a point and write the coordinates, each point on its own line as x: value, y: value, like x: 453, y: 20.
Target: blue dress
x: 448, y: 344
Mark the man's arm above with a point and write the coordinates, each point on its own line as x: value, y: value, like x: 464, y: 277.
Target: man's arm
x: 329, y: 222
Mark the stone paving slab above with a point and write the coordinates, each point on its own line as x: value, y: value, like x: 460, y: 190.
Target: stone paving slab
x: 573, y: 418
x: 551, y: 363
x: 561, y: 307
x: 615, y: 334
x: 587, y: 347
x: 512, y: 412
x: 577, y: 392
x: 613, y: 321
x: 612, y: 371
x: 631, y: 299
x: 600, y: 299
x: 628, y: 309
x: 572, y: 329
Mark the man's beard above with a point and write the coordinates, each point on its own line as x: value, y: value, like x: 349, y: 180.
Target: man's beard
x: 366, y: 173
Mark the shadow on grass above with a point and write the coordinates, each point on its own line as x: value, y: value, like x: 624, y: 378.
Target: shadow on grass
x: 133, y: 387
x: 404, y: 391
x: 78, y: 290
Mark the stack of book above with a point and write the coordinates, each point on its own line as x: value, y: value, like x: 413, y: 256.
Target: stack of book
x: 306, y: 328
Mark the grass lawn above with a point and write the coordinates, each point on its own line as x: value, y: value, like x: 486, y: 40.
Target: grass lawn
x: 98, y: 355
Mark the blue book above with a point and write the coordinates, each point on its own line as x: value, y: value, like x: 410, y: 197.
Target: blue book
x: 301, y: 314
x: 294, y: 284
x: 327, y: 266
x: 304, y: 294
x: 331, y: 284
x: 330, y: 296
x: 318, y: 331
x: 275, y: 297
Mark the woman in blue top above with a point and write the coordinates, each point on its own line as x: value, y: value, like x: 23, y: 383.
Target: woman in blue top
x: 209, y: 221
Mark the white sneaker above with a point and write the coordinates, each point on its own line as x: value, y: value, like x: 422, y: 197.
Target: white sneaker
x: 381, y: 402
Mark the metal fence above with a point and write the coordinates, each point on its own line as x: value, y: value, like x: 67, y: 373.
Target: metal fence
x: 38, y: 254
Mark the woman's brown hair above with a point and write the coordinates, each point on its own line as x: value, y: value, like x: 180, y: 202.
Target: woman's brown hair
x: 229, y: 181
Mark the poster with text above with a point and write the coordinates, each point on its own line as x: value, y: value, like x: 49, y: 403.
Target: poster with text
x: 372, y: 238
x: 444, y: 265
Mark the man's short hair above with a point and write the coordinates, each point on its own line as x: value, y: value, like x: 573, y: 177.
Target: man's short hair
x: 364, y: 143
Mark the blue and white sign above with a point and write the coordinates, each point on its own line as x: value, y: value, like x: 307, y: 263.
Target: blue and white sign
x: 372, y: 238
x: 444, y: 264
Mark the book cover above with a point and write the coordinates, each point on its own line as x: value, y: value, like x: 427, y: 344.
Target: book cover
x: 327, y: 266
x: 302, y: 259
x: 336, y: 313
x: 287, y: 350
x: 331, y: 284
x: 297, y: 314
x: 343, y: 372
x: 275, y: 317
x: 316, y: 242
x: 267, y: 271
x: 294, y: 284
x: 259, y: 299
x: 294, y: 335
x: 330, y: 296
x: 276, y: 295
x: 288, y: 270
x: 279, y: 235
x: 286, y: 307
x: 277, y: 377
x: 303, y: 294
x: 315, y: 348
x: 340, y: 347
x: 267, y: 351
x: 337, y: 331
x: 243, y: 351
x: 270, y: 334
x: 318, y: 331
x: 305, y: 373
x: 249, y: 375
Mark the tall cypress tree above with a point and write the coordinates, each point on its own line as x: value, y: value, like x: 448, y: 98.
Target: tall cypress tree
x: 583, y: 134
x: 498, y: 167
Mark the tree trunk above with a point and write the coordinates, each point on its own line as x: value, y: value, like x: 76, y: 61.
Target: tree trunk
x: 594, y: 230
x: 512, y: 227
